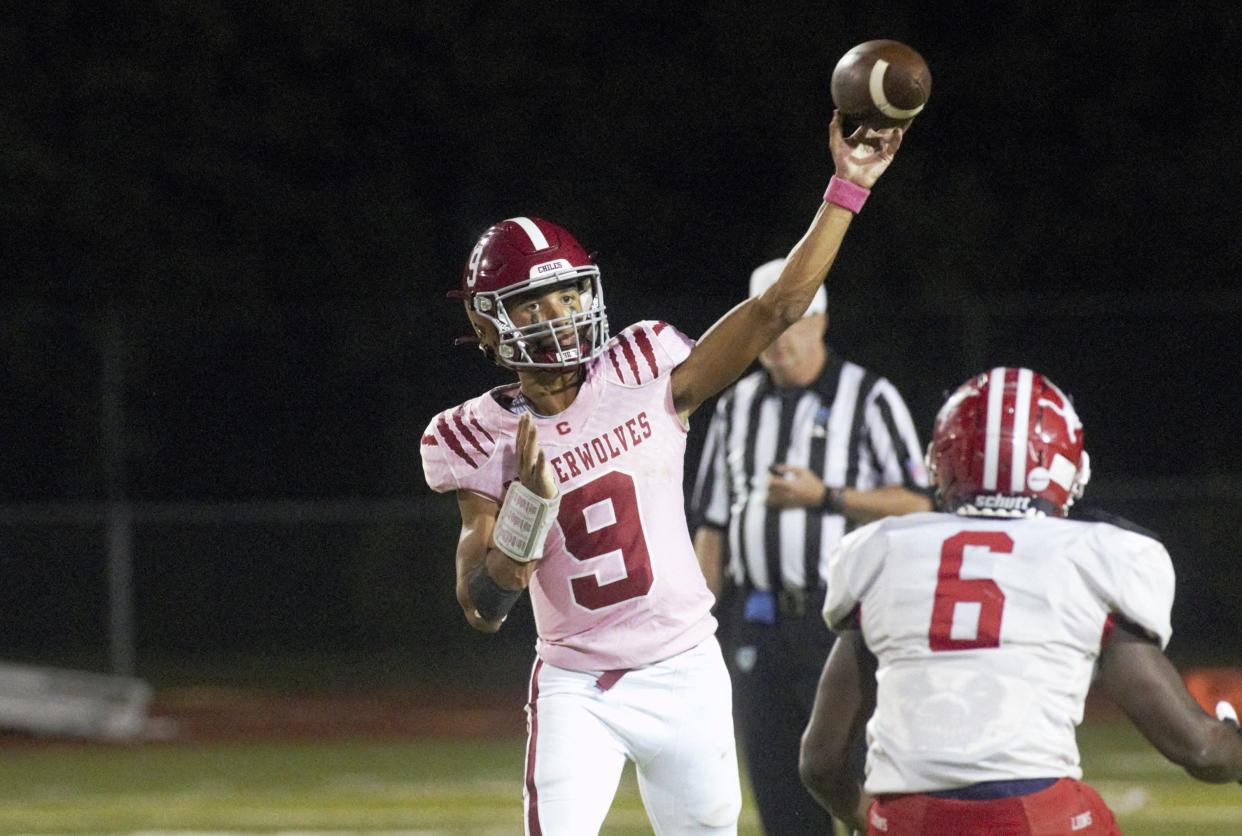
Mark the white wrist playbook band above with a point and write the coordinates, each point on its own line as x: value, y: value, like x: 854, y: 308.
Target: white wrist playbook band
x: 523, y: 522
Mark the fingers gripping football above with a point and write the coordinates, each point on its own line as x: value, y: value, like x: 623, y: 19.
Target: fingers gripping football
x: 865, y: 154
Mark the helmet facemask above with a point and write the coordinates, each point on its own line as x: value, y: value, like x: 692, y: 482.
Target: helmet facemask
x: 564, y: 342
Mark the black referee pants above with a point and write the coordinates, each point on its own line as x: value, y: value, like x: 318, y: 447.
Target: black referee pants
x: 775, y: 670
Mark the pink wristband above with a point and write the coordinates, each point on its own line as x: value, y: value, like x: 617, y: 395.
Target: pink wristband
x: 846, y: 194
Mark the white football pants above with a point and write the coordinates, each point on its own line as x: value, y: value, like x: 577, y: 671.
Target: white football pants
x: 674, y: 719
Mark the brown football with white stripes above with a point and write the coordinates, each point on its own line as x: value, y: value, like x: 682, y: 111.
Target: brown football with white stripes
x: 881, y: 84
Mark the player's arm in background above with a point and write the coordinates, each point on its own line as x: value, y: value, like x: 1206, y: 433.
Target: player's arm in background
x: 888, y: 501
x: 843, y: 703
x: 709, y: 502
x: 799, y: 487
x: 1136, y: 675
x: 483, y: 569
x: 733, y: 343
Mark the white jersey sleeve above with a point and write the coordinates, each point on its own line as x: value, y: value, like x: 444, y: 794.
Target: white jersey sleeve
x: 460, y: 450
x: 1134, y: 575
x: 853, y: 568
x: 644, y: 352
x: 675, y: 345
x: 437, y: 469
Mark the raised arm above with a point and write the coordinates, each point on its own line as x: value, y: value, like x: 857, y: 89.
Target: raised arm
x: 1142, y: 681
x: 733, y: 343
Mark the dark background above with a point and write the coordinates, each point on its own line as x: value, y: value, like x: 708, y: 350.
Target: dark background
x: 247, y: 216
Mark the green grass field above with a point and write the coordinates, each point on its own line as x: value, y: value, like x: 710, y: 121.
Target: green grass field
x: 442, y: 787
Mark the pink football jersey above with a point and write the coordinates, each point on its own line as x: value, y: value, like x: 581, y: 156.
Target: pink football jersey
x: 618, y: 585
x: 987, y: 632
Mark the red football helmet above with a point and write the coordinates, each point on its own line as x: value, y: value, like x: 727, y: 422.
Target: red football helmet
x: 1008, y: 443
x: 520, y: 255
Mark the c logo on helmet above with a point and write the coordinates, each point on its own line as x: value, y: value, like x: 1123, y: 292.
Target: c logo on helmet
x: 472, y: 267
x: 1066, y: 410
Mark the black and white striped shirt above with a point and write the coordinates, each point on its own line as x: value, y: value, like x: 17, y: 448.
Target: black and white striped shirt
x: 849, y: 427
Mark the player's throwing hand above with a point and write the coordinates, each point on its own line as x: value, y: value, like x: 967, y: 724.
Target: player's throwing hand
x: 865, y: 154
x: 533, y: 469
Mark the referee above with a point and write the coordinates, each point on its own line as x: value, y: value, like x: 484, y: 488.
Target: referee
x: 796, y: 456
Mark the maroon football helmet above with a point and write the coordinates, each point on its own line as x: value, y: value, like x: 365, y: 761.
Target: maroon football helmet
x: 1008, y: 443
x: 521, y: 255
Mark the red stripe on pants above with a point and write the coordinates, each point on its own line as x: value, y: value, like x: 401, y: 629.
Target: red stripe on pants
x: 532, y: 794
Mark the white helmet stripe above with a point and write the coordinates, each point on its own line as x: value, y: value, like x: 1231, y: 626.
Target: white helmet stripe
x: 1021, y: 425
x: 991, y: 444
x: 533, y: 232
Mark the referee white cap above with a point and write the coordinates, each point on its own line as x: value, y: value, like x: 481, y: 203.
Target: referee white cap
x: 765, y: 275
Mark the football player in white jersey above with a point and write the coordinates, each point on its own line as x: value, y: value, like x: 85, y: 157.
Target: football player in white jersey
x: 967, y: 639
x: 570, y: 483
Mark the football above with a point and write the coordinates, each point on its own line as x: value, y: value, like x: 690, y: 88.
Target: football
x: 881, y: 84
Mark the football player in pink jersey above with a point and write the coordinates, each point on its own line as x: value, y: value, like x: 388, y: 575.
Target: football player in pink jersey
x: 570, y: 483
x: 967, y: 639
